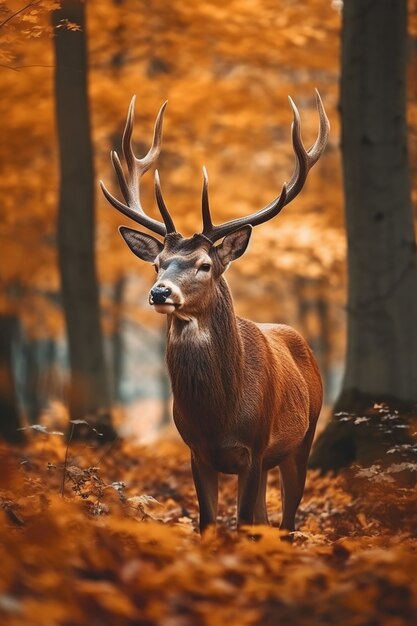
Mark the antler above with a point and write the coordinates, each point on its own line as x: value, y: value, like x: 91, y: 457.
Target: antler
x: 305, y: 159
x: 130, y: 187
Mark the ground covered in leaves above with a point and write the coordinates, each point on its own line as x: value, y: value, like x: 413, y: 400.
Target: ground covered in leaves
x: 97, y: 537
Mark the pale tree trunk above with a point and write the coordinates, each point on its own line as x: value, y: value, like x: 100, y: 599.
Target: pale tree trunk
x: 118, y: 348
x: 381, y: 364
x: 89, y: 396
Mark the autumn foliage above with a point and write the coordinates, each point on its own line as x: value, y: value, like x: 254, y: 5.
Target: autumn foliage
x: 116, y: 543
x: 107, y: 536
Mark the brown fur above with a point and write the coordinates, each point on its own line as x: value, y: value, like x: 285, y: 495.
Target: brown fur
x: 247, y: 394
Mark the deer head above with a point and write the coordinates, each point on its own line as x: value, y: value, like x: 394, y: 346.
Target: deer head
x: 189, y: 269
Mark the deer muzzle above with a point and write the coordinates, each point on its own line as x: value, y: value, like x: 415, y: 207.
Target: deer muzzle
x: 161, y: 301
x: 160, y: 294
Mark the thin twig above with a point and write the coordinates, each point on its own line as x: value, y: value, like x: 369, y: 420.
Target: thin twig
x: 17, y: 68
x: 106, y: 451
x: 66, y: 460
x: 8, y: 67
x: 28, y: 6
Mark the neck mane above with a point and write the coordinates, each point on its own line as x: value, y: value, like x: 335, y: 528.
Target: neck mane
x: 204, y: 357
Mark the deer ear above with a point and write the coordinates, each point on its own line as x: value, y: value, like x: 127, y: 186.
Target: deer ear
x: 234, y: 245
x: 144, y: 246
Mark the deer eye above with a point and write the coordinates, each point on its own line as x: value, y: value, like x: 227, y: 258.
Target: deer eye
x: 205, y: 267
x: 155, y: 267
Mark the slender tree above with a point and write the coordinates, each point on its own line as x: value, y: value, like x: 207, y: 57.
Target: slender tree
x: 381, y: 364
x: 9, y: 408
x: 89, y: 396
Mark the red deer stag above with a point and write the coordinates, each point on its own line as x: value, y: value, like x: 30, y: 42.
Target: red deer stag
x: 246, y: 396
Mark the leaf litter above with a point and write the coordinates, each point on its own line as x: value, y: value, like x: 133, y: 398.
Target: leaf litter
x: 120, y: 546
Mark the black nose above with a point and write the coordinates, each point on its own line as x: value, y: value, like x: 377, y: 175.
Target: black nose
x: 160, y: 294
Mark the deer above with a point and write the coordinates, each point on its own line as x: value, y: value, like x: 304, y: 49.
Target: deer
x: 246, y: 396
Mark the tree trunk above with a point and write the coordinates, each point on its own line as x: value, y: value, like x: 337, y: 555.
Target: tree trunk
x: 89, y: 395
x: 381, y: 363
x: 9, y: 410
x: 118, y: 351
x: 39, y: 356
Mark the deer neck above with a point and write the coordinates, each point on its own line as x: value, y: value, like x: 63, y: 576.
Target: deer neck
x: 204, y: 356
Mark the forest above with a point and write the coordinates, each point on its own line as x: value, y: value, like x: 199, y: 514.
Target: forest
x: 103, y: 518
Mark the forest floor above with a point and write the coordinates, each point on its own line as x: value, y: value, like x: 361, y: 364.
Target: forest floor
x: 112, y: 541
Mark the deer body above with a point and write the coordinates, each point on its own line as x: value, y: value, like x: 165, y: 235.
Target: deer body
x: 247, y: 396
x: 252, y: 409
x: 255, y: 419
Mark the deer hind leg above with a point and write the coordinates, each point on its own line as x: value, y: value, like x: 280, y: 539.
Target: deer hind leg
x: 206, y: 481
x: 293, y: 470
x: 290, y: 492
x: 249, y: 487
x: 261, y: 515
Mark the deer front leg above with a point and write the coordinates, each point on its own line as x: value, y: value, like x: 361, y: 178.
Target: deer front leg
x: 206, y: 481
x: 249, y: 485
x: 261, y: 514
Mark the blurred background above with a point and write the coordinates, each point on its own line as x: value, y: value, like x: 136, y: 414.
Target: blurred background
x: 226, y: 69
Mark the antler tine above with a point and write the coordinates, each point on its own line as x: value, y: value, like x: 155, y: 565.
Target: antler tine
x: 135, y: 165
x: 217, y: 232
x: 130, y: 186
x: 320, y: 144
x: 117, y: 166
x: 207, y: 223
x: 305, y: 159
x: 169, y: 224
